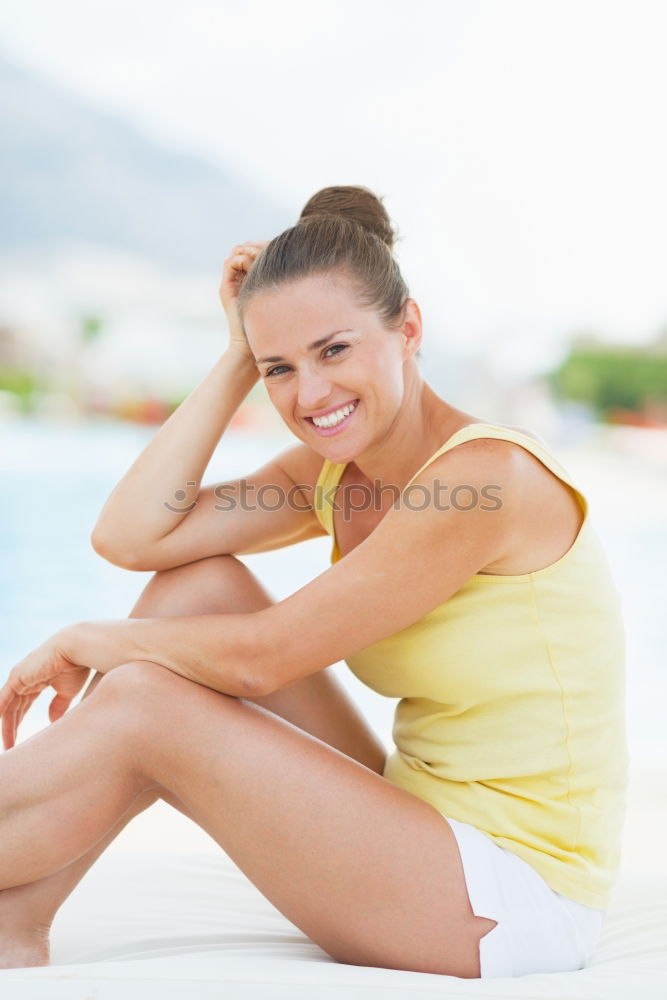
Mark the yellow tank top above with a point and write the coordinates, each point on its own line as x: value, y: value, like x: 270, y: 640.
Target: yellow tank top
x: 512, y: 701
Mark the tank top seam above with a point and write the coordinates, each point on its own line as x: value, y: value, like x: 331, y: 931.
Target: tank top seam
x: 554, y: 669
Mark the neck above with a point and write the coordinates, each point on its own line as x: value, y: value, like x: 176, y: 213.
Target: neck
x: 424, y: 422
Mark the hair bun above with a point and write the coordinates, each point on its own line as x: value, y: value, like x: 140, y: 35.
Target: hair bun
x: 356, y: 203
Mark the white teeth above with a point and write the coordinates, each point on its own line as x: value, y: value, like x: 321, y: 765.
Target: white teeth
x: 332, y: 419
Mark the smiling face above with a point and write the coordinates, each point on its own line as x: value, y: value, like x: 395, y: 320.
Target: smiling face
x: 362, y: 364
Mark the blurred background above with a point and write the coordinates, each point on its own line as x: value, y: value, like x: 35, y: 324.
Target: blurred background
x: 521, y: 152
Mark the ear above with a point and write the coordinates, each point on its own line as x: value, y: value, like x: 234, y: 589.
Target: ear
x: 411, y: 328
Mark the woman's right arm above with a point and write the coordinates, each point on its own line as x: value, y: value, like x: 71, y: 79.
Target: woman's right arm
x: 153, y: 496
x: 151, y: 520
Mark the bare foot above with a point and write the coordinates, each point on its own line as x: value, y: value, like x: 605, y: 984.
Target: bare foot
x: 24, y: 937
x: 18, y: 951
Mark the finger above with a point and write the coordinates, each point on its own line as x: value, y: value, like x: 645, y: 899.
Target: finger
x: 8, y: 737
x: 251, y: 246
x: 242, y: 254
x: 58, y: 707
x: 242, y: 249
x: 240, y: 262
x: 28, y: 699
x: 17, y: 718
x: 18, y: 715
x: 6, y: 742
x: 25, y: 702
x: 7, y: 726
x: 5, y: 696
x: 232, y: 264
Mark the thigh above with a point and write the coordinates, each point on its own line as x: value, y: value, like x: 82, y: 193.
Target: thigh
x: 368, y: 871
x: 320, y: 705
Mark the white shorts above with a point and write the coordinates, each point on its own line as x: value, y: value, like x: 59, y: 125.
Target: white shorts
x: 538, y: 929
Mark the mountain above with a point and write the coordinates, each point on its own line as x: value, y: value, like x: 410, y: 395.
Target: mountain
x: 70, y: 173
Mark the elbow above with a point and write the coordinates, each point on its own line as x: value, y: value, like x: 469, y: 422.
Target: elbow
x: 100, y: 545
x: 113, y: 553
x: 262, y: 660
x: 252, y: 686
x: 255, y: 680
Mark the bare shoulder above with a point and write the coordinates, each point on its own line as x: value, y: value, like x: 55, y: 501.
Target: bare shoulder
x: 508, y: 456
x: 485, y: 463
x: 481, y: 451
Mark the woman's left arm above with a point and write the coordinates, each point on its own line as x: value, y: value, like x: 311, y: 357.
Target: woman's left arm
x: 415, y: 559
x: 213, y: 650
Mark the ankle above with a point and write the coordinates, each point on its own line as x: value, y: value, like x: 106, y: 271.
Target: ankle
x: 18, y: 917
x: 22, y: 950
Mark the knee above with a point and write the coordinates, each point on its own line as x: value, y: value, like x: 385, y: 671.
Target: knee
x: 207, y: 566
x: 134, y: 681
x: 190, y: 577
x: 212, y: 585
x: 136, y: 698
x: 146, y: 699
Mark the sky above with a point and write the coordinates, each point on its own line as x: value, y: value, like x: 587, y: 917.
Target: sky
x: 519, y: 144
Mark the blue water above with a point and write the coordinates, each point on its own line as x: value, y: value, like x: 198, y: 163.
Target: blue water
x: 55, y: 479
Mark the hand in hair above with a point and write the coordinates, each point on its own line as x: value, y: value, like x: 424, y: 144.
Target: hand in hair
x: 235, y: 269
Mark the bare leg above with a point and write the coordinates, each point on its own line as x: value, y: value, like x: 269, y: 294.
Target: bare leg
x: 302, y: 820
x: 27, y: 911
x: 317, y: 704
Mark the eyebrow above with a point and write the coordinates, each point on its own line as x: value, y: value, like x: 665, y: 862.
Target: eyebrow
x: 312, y: 347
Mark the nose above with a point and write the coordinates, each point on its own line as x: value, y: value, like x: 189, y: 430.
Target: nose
x: 314, y: 391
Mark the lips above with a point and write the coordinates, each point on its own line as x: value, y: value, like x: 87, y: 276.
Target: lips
x: 337, y: 427
x: 332, y: 409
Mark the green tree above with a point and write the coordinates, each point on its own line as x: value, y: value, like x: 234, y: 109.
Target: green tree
x: 607, y: 376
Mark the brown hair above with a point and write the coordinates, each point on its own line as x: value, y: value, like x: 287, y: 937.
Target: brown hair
x: 341, y: 230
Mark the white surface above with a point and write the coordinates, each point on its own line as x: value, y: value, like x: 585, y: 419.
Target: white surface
x: 164, y: 913
x: 174, y: 925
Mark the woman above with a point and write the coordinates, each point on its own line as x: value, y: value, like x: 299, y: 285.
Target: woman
x: 466, y: 581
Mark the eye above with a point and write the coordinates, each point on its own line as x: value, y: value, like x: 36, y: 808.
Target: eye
x: 272, y: 371
x: 344, y: 347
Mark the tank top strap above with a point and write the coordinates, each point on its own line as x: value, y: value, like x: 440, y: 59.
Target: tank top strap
x: 485, y: 430
x: 331, y: 472
x: 325, y: 490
